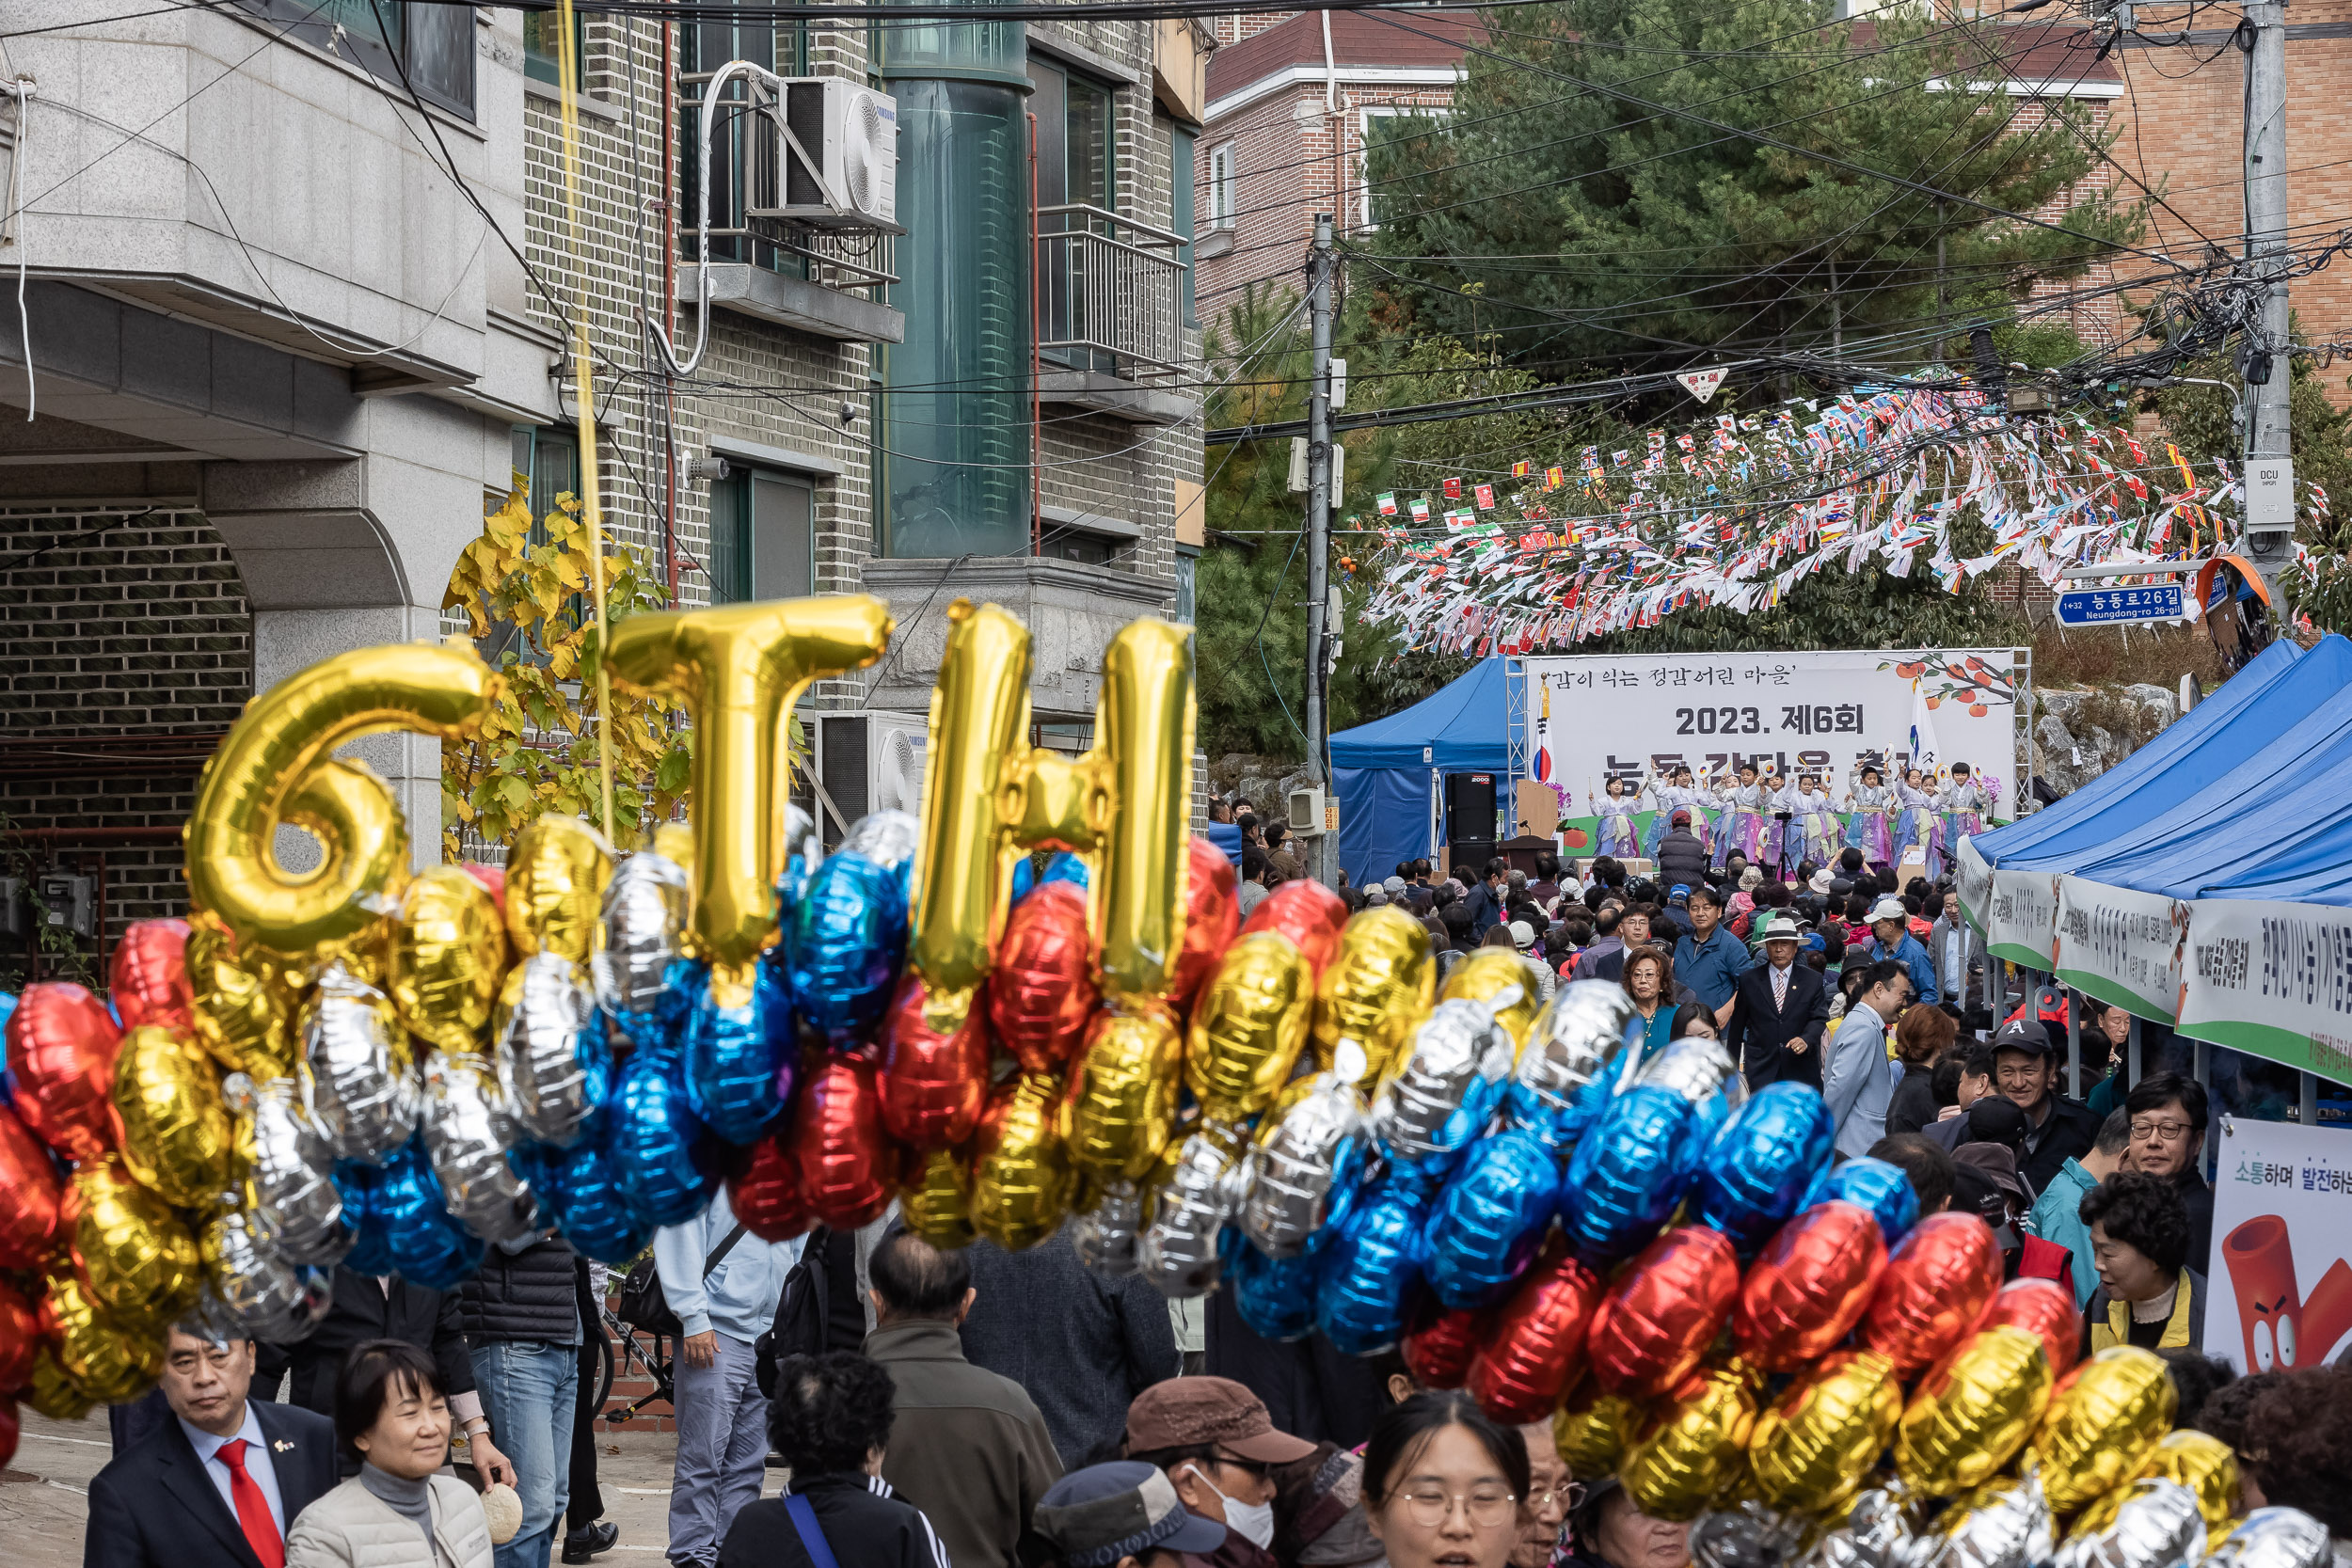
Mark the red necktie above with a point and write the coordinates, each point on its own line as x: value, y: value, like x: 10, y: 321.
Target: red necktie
x: 261, y: 1531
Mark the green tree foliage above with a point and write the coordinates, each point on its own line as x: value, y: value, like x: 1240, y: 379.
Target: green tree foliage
x: 1591, y: 229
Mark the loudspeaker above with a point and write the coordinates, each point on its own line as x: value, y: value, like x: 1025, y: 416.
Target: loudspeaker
x: 1470, y: 809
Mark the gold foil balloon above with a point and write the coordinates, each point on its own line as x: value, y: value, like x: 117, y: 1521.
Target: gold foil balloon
x: 51, y: 1391
x: 1248, y: 1028
x: 363, y: 1086
x: 243, y: 1016
x: 1375, y: 992
x: 175, y: 1131
x: 1814, y: 1449
x: 1121, y: 1101
x: 556, y: 876
x: 1698, y: 1449
x: 1021, y: 1174
x: 937, y: 1205
x: 2103, y: 1421
x: 276, y: 766
x: 1143, y: 722
x: 449, y: 953
x: 1593, y: 1431
x: 2002, y: 1524
x: 2208, y: 1468
x: 108, y: 1358
x: 739, y: 669
x: 1973, y: 1412
x: 1485, y: 972
x: 130, y: 1250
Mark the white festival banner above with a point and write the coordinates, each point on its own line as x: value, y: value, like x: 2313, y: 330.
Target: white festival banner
x: 1622, y: 715
x: 2124, y: 948
x: 2279, y: 1285
x: 2022, y: 923
x: 1972, y: 878
x: 2274, y: 980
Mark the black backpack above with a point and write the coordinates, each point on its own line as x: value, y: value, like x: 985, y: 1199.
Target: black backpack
x: 801, y: 1313
x: 643, y: 1305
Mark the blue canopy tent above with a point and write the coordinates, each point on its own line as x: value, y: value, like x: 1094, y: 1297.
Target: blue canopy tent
x: 1383, y: 771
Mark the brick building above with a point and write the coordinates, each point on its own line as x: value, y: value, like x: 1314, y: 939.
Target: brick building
x: 290, y: 277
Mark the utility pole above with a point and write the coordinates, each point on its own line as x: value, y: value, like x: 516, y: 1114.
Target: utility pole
x: 2269, y: 463
x: 1324, y: 865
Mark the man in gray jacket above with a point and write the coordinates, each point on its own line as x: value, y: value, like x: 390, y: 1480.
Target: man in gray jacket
x: 723, y: 1282
x: 1856, y: 1083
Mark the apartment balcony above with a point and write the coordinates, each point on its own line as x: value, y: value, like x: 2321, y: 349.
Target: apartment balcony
x: 825, y: 282
x: 1110, y: 316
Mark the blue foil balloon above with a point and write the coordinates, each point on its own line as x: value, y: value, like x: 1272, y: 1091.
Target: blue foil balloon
x: 1063, y: 867
x: 1275, y: 1296
x: 1491, y: 1218
x: 844, y: 938
x: 578, y: 1191
x: 1880, y: 1186
x: 1370, y: 1270
x: 1628, y: 1173
x: 405, y: 1224
x: 730, y: 1064
x: 649, y: 1144
x: 1757, y: 1169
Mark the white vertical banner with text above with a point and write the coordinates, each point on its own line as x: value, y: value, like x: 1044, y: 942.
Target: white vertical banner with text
x: 2279, y: 1287
x: 2273, y: 980
x: 2125, y: 948
x: 2022, y: 923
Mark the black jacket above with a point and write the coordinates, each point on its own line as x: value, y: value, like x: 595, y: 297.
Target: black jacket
x: 1758, y: 1033
x: 154, y: 1507
x: 2197, y: 1199
x: 863, y: 1523
x: 530, y: 1295
x: 1681, y: 860
x: 2070, y: 1132
x: 364, y: 1311
x: 1913, y: 1107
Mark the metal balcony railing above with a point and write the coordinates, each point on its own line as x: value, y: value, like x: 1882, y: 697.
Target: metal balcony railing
x: 1110, y: 292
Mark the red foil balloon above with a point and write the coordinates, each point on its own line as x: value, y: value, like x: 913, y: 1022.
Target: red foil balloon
x: 1306, y: 912
x: 30, y: 1197
x: 1438, y: 1354
x: 764, y: 1190
x: 1663, y: 1312
x: 492, y: 877
x: 1810, y: 1287
x: 2042, y: 1307
x: 20, y: 1335
x: 850, y: 1168
x: 149, y: 979
x: 1212, y: 915
x: 7, y: 1432
x: 933, y: 1085
x: 1936, y: 1288
x: 1041, y: 994
x: 61, y: 1049
x: 1536, y: 1351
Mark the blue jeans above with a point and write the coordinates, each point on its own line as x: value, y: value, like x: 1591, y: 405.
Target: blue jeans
x: 722, y: 1450
x: 529, y: 1390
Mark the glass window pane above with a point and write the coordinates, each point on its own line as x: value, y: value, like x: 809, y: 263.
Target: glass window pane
x: 1089, y: 138
x: 730, y: 560
x: 1180, y: 199
x: 1186, y: 565
x: 440, y: 50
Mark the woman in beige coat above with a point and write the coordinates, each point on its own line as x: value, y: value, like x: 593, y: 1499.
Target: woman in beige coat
x: 398, y: 1512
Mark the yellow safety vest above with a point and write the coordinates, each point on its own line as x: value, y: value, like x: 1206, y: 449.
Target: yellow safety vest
x: 2116, y: 1330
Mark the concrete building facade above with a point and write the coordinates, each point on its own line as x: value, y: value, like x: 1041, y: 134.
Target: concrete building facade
x: 297, y: 288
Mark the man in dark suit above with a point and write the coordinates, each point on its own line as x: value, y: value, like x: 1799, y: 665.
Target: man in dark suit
x: 220, y: 1482
x: 367, y: 1307
x: 1778, y: 1012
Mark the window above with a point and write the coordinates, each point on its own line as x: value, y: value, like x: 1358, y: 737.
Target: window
x: 1073, y: 174
x: 431, y: 45
x: 1187, y: 566
x: 704, y: 47
x: 761, y: 542
x: 1376, y: 126
x: 1180, y: 200
x: 1223, y: 190
x: 543, y: 46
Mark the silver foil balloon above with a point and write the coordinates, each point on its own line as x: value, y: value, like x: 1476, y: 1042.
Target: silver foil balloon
x: 888, y: 838
x: 2157, y: 1526
x: 1446, y: 1094
x: 1293, y: 1172
x: 467, y: 1131
x: 552, y: 1077
x: 363, y: 1080
x: 253, y: 1285
x: 1105, y: 1236
x: 645, y: 910
x: 1876, y: 1530
x: 1563, y: 1070
x: 290, y: 1169
x: 1178, y: 1250
x: 2003, y: 1524
x: 1693, y: 1067
x: 1746, y: 1535
x: 2275, y: 1538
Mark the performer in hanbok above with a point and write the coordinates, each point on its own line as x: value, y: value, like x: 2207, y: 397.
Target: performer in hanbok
x: 1813, y: 822
x: 1871, y: 827
x: 1915, y: 817
x: 1960, y: 809
x: 1680, y: 795
x: 1614, y: 833
x: 1748, y: 823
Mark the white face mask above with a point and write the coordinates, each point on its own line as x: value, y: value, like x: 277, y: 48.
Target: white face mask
x: 1253, y: 1522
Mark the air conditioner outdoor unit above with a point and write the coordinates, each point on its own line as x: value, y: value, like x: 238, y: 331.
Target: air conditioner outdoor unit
x: 868, y: 761
x: 834, y: 156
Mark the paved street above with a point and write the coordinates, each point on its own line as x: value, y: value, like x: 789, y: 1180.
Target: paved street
x: 43, y: 1492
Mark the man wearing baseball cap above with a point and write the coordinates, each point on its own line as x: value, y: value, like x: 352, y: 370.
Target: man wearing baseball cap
x: 1218, y: 1448
x: 1891, y: 938
x: 1121, y: 1513
x: 2024, y: 1071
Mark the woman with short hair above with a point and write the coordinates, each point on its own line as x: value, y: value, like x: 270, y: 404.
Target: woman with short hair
x: 830, y: 1422
x: 2147, y: 1295
x: 1649, y: 978
x: 392, y: 1418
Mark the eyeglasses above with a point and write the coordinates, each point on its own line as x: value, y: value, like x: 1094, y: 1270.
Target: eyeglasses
x: 1488, y: 1509
x: 1257, y: 1467
x: 2160, y: 1131
x: 1565, y: 1495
